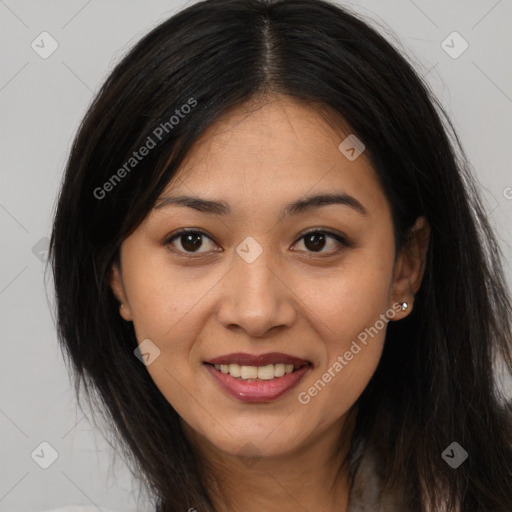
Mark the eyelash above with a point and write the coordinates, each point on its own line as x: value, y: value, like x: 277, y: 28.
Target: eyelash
x: 338, y: 237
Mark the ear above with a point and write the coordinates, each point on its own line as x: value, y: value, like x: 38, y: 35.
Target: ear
x: 410, y: 265
x: 117, y: 285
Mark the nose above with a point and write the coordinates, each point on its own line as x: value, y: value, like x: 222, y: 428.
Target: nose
x: 256, y: 297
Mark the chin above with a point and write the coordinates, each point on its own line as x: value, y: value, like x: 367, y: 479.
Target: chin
x: 255, y: 442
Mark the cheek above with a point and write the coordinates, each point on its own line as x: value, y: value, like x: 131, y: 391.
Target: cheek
x: 163, y: 297
x: 165, y: 308
x: 350, y: 299
x: 351, y: 319
x: 352, y: 359
x: 165, y: 303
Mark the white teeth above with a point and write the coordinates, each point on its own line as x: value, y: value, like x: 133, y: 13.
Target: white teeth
x: 279, y: 370
x: 234, y: 370
x: 249, y: 372
x: 267, y: 372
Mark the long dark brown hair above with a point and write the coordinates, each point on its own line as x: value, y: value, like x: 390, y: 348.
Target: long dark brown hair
x: 436, y: 382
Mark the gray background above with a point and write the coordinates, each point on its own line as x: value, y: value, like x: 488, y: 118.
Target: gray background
x: 41, y: 103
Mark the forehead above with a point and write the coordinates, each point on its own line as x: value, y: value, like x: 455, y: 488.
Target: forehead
x: 272, y: 152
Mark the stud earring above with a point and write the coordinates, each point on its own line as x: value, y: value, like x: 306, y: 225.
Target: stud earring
x: 404, y: 306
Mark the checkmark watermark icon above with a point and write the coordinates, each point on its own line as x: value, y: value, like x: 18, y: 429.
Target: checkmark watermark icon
x: 351, y: 147
x: 249, y: 250
x: 454, y: 45
x: 454, y: 455
x: 147, y: 352
x: 44, y: 455
x: 44, y: 45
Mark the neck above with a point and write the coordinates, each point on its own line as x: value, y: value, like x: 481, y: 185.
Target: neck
x: 307, y: 478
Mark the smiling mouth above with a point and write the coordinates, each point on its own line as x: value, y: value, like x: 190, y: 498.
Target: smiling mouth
x: 257, y: 373
x: 257, y: 384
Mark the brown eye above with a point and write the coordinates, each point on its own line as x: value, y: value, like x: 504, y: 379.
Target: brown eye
x: 190, y: 241
x: 317, y: 241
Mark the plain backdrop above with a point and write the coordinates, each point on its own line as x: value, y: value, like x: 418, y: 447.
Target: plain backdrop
x: 42, y: 101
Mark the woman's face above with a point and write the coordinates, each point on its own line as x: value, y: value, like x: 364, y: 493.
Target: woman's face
x: 251, y: 283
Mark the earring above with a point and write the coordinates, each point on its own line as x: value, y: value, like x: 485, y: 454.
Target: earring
x: 122, y: 305
x: 404, y: 306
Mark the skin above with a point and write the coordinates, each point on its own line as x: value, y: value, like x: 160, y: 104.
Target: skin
x: 291, y: 299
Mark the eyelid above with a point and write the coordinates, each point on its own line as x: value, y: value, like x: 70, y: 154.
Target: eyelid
x: 169, y: 238
x: 341, y: 238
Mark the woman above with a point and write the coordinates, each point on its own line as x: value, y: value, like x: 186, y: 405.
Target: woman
x: 273, y: 269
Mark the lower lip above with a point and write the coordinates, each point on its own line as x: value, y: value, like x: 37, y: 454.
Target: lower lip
x: 257, y: 391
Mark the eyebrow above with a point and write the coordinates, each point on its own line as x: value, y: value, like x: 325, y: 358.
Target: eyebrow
x: 297, y: 207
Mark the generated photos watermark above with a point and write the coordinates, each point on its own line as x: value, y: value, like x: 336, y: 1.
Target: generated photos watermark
x: 343, y: 360
x: 152, y: 140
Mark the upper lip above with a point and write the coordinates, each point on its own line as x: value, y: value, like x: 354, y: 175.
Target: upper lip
x: 245, y: 359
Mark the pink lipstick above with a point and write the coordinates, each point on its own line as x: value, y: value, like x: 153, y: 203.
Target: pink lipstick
x: 257, y: 377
